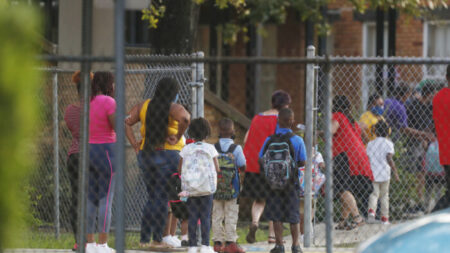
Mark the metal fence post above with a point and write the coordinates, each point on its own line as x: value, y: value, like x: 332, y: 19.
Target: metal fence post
x: 119, y: 44
x: 200, y: 86
x: 56, y: 151
x: 86, y: 50
x: 309, y: 124
x: 328, y: 159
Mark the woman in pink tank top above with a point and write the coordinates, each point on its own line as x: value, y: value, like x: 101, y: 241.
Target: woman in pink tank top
x: 101, y: 179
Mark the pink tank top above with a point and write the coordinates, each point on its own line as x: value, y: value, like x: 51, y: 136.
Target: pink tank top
x: 100, y: 130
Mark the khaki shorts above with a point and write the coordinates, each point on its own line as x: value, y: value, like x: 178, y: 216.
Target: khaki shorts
x: 302, y: 206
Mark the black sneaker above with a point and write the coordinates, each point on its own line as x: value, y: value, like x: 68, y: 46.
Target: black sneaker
x: 296, y: 249
x: 184, y: 243
x: 277, y: 249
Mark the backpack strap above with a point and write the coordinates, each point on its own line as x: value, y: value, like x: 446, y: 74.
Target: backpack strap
x: 231, y: 148
x: 218, y: 147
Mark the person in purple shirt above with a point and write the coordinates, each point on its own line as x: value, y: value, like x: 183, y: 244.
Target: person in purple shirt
x: 396, y: 116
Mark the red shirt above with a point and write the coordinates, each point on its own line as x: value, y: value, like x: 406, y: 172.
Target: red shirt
x: 441, y: 117
x: 262, y: 126
x: 72, y: 118
x: 348, y: 139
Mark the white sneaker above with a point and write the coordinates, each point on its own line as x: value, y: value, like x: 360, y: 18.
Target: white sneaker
x: 174, y: 238
x: 176, y: 242
x: 206, y: 249
x: 91, y: 247
x: 192, y: 250
x: 168, y: 240
x: 103, y: 248
x: 371, y: 218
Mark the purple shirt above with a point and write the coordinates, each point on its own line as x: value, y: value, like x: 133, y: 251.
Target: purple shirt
x: 395, y: 113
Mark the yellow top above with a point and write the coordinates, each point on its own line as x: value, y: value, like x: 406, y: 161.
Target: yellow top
x: 370, y: 120
x: 172, y: 129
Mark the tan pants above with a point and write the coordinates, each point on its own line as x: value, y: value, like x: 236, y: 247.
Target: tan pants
x: 381, y: 191
x: 224, y: 220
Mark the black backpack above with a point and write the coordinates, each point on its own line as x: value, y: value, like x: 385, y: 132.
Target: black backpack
x: 278, y: 163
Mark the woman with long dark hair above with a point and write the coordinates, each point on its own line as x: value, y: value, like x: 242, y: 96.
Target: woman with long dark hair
x: 101, y: 178
x: 163, y: 123
x: 352, y: 174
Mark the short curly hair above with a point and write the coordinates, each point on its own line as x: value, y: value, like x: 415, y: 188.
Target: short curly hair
x: 199, y: 129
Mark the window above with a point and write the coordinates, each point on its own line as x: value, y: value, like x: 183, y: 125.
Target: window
x: 436, y: 44
x: 369, y: 50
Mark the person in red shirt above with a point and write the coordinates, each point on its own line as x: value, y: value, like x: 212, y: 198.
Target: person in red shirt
x: 255, y: 187
x: 352, y: 174
x: 441, y: 117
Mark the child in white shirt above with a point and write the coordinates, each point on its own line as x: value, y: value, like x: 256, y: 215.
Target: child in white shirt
x: 380, y: 152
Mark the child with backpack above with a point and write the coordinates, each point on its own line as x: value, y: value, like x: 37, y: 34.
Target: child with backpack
x: 225, y: 207
x: 198, y: 167
x: 380, y: 152
x: 281, y: 156
x: 179, y: 211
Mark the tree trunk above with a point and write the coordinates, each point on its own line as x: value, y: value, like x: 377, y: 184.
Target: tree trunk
x: 177, y: 30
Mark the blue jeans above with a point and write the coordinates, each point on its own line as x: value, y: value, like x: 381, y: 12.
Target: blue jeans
x: 199, y: 208
x: 157, y: 167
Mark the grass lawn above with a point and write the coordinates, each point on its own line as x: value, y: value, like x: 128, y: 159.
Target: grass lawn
x: 47, y: 240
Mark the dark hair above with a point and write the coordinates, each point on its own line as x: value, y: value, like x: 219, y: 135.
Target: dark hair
x: 401, y: 90
x: 283, y: 117
x: 225, y: 126
x: 429, y: 87
x: 372, y: 99
x: 76, y: 78
x: 157, y: 116
x: 102, y: 83
x: 280, y: 99
x: 381, y: 128
x: 342, y: 105
x: 199, y: 129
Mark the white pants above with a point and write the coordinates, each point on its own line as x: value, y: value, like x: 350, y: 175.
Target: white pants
x: 380, y: 191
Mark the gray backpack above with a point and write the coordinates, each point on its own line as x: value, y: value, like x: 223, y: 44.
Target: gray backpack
x: 277, y: 161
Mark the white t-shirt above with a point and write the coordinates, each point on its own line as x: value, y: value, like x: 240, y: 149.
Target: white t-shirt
x: 377, y: 151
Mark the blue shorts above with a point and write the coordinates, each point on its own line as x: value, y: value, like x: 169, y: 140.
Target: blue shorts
x: 283, y: 206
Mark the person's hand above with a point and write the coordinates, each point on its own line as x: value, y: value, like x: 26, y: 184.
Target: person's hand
x: 397, y: 179
x: 136, y: 146
x: 128, y: 119
x: 172, y: 139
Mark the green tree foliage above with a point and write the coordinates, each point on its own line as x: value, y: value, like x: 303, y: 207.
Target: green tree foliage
x: 18, y: 112
x: 247, y: 12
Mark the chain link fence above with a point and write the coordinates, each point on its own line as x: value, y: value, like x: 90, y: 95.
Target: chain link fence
x: 364, y: 94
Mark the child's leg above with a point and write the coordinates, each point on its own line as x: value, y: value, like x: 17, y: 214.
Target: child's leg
x: 173, y: 225
x: 231, y: 219
x: 278, y: 229
x: 184, y: 229
x: 166, y: 231
x: 295, y: 234
x: 373, y: 199
x: 218, y: 216
x: 384, y: 198
x: 194, y: 209
x: 205, y: 217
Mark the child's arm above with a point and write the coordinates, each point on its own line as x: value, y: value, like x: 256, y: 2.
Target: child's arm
x: 216, y: 164
x: 393, y: 167
x: 180, y: 163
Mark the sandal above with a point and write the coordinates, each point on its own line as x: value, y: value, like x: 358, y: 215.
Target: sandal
x: 358, y: 223
x: 345, y: 225
x: 271, y: 239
